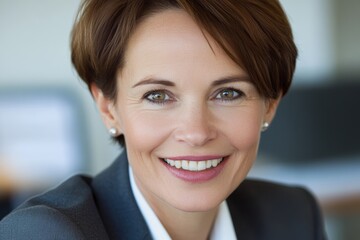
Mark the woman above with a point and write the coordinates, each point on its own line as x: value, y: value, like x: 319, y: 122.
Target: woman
x: 186, y: 87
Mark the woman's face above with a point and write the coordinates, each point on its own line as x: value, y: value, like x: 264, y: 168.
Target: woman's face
x: 190, y: 116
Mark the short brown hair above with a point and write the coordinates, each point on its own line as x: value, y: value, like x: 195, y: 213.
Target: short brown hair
x: 255, y: 34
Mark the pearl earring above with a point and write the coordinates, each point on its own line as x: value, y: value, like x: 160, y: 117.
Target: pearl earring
x: 265, y: 126
x: 113, y: 132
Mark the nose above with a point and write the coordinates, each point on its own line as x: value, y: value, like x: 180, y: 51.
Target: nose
x: 195, y: 126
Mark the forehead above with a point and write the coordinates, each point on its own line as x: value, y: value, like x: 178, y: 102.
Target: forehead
x: 171, y: 39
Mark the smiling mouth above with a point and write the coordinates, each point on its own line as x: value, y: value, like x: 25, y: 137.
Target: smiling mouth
x: 194, y: 166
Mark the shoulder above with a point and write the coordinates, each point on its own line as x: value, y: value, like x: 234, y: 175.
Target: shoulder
x: 65, y: 212
x: 280, y: 211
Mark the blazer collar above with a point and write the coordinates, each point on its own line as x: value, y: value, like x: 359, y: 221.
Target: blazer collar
x: 116, y: 203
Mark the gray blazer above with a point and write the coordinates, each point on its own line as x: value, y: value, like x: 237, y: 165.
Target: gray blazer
x: 104, y: 208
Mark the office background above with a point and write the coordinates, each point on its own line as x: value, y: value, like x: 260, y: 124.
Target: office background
x: 35, y: 68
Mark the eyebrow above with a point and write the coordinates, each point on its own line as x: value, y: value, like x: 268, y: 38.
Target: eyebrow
x: 154, y: 81
x: 168, y: 83
x: 230, y: 79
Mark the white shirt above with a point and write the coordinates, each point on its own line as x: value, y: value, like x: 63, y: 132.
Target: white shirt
x: 223, y: 227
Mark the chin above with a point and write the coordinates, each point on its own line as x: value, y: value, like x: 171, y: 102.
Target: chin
x: 201, y: 201
x: 192, y: 207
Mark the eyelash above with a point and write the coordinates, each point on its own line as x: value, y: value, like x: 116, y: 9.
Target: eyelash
x: 239, y: 94
x: 158, y: 91
x: 168, y: 98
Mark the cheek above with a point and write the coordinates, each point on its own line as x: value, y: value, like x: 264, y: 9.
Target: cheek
x: 245, y: 135
x: 242, y: 127
x: 145, y: 130
x: 242, y: 131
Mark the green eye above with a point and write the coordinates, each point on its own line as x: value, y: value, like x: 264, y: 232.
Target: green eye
x: 228, y: 94
x: 157, y: 96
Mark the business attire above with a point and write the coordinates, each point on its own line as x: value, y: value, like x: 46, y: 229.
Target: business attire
x: 104, y: 208
x: 5, y: 205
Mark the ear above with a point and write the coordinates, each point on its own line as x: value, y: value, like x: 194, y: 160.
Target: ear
x: 271, y: 107
x: 107, y: 108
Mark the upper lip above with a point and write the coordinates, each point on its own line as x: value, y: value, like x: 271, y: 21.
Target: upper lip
x: 196, y: 158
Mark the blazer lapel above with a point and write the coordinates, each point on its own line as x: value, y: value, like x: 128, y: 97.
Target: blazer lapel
x: 116, y: 203
x: 244, y: 213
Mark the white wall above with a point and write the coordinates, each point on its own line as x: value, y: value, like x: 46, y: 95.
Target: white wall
x: 347, y: 37
x: 312, y: 22
x: 34, y: 41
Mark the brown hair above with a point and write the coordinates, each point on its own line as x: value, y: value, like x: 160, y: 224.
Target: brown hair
x: 255, y: 34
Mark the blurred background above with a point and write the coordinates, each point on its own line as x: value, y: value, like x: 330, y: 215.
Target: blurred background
x: 50, y: 128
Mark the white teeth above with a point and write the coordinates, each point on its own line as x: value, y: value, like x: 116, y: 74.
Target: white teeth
x: 194, y: 165
x: 185, y: 164
x: 214, y: 163
x: 178, y: 164
x: 201, y: 165
x: 208, y: 164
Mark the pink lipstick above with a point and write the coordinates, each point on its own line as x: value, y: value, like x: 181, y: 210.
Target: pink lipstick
x: 195, y: 168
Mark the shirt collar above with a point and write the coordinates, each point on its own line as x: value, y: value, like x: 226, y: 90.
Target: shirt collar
x: 223, y: 227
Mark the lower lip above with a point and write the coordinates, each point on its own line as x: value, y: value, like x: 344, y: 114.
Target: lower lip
x: 196, y: 176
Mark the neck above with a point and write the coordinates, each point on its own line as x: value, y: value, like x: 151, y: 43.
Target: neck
x: 186, y: 225
x: 181, y: 224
